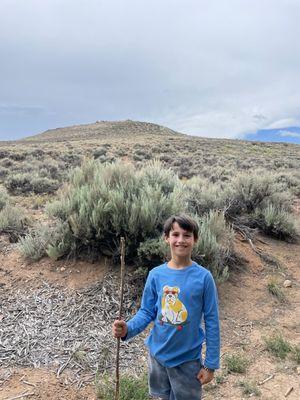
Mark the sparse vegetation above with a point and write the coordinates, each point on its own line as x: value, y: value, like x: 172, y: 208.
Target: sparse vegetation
x: 3, y: 198
x: 236, y: 363
x: 131, y: 388
x: 13, y: 222
x: 34, y: 245
x: 296, y: 353
x: 249, y: 388
x: 215, y: 243
x: 220, y: 378
x: 28, y: 183
x: 278, y: 346
x: 277, y: 222
x: 276, y: 291
x: 43, y: 240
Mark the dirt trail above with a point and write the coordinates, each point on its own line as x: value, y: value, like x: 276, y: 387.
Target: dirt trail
x: 248, y: 314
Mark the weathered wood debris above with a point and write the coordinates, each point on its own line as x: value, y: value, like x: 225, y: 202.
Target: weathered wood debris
x: 62, y: 329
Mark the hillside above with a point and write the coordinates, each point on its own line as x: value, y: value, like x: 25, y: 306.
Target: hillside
x: 138, y: 142
x: 103, y: 130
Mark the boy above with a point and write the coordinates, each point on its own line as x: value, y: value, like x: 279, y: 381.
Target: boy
x: 176, y: 296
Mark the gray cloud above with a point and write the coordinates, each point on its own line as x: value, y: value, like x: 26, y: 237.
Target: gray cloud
x: 210, y: 68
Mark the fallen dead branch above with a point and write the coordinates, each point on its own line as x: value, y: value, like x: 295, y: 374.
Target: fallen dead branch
x: 267, y: 379
x: 289, y: 391
x: 29, y: 383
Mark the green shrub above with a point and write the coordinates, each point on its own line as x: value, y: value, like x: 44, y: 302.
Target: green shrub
x: 141, y: 154
x: 131, y: 388
x: 101, y: 151
x: 18, y: 156
x: 290, y: 181
x: 7, y: 162
x: 165, y: 157
x: 215, y: 243
x: 44, y: 185
x: 37, y: 153
x: 203, y: 196
x: 52, y: 170
x: 46, y: 240
x: 30, y: 183
x: 278, y: 346
x: 3, y: 173
x: 71, y: 159
x: 12, y: 221
x: 61, y: 242
x: 296, y: 353
x: 152, y: 252
x: 19, y: 183
x: 260, y: 201
x: 276, y: 222
x: 236, y: 363
x: 249, y: 191
x: 4, y: 154
x: 34, y: 245
x: 275, y: 290
x: 104, y: 202
x: 249, y: 388
x: 101, y: 203
x: 3, y: 198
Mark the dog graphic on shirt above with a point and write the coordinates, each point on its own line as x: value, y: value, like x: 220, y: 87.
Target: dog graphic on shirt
x: 173, y: 311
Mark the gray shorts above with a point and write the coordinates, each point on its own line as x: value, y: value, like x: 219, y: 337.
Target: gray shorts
x: 176, y: 383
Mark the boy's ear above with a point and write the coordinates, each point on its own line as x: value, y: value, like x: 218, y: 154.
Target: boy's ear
x: 166, y: 238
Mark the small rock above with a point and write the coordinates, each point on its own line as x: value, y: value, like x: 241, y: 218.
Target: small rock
x: 63, y: 269
x: 287, y: 283
x: 298, y: 370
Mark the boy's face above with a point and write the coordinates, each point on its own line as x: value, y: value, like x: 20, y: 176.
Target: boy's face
x: 181, y: 242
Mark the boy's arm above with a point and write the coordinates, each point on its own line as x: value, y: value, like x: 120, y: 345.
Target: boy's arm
x: 212, y: 324
x: 147, y: 311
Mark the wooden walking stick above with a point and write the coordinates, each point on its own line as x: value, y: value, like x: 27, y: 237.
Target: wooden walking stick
x: 122, y: 246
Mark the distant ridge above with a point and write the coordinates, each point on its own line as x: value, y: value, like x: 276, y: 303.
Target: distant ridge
x: 101, y: 129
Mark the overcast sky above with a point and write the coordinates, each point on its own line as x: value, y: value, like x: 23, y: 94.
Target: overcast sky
x: 216, y: 68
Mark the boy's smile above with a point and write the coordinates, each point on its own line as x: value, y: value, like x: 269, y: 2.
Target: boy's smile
x: 181, y: 242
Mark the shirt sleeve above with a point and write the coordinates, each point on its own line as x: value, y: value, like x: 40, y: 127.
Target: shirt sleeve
x: 147, y: 311
x: 212, y: 324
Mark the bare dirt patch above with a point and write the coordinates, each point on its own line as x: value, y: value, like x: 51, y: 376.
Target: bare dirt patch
x: 16, y: 272
x: 41, y: 384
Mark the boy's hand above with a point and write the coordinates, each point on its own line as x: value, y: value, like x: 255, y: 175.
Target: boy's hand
x: 205, y: 376
x: 119, y: 329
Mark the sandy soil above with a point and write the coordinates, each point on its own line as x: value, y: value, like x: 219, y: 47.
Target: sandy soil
x: 248, y: 314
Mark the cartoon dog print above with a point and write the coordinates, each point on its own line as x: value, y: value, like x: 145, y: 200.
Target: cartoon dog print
x: 173, y: 310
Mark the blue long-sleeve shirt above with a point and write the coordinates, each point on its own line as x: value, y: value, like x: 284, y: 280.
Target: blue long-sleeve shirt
x: 176, y: 300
